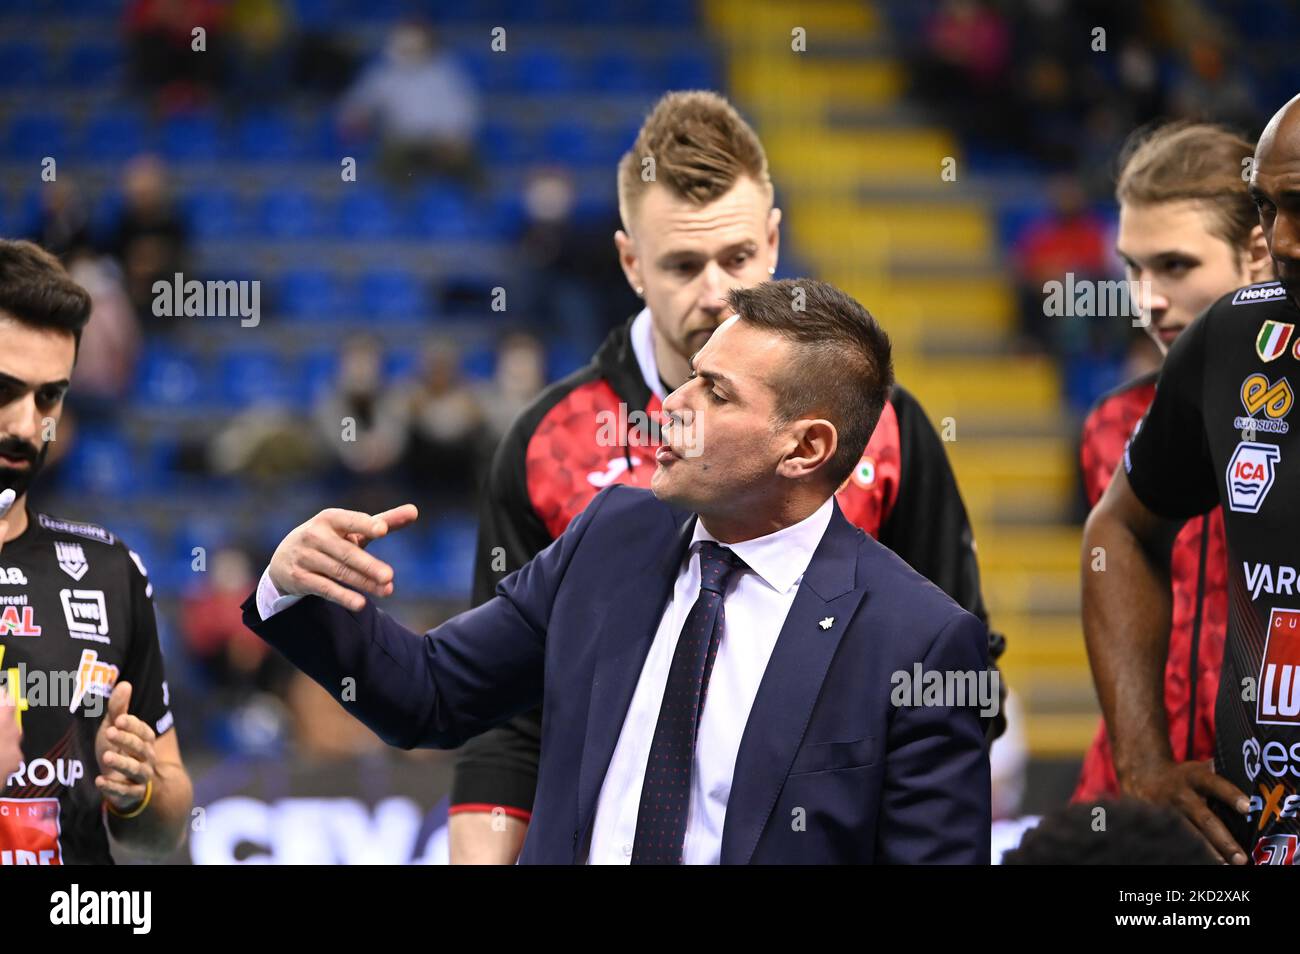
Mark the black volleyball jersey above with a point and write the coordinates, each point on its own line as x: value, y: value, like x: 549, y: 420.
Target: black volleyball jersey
x: 76, y: 617
x: 1219, y: 432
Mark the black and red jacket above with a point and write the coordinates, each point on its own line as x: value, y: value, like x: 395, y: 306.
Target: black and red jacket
x: 599, y: 426
x: 1198, y: 572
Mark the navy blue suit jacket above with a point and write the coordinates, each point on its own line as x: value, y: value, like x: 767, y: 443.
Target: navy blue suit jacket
x: 829, y: 770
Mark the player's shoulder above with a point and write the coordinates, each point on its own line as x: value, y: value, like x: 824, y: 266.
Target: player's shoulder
x: 79, y: 541
x: 1261, y: 293
x: 1124, y: 401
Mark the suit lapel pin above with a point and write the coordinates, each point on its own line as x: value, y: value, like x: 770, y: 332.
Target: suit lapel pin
x: 827, y: 622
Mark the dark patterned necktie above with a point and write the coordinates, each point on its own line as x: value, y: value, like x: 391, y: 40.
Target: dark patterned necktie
x: 666, y: 793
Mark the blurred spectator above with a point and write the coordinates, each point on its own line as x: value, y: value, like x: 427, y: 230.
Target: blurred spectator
x: 572, y: 285
x: 446, y: 425
x: 963, y: 66
x: 164, y: 60
x: 259, y: 32
x: 227, y: 652
x: 110, y: 344
x: 362, y: 420
x: 1068, y: 238
x: 150, y: 238
x: 62, y: 220
x: 520, y: 374
x: 1209, y: 89
x: 264, y: 443
x: 423, y: 106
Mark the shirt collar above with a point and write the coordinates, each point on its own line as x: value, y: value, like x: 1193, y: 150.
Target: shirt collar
x: 782, y: 557
x: 644, y: 348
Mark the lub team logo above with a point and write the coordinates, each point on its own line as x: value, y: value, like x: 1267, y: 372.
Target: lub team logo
x: 29, y: 831
x: 18, y: 621
x: 71, y: 559
x: 1273, y: 338
x: 1279, y: 671
x: 1250, y: 475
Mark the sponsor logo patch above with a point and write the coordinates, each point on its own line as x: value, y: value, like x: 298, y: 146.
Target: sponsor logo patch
x: 29, y: 831
x: 72, y: 559
x: 1274, y: 398
x: 1269, y: 291
x: 88, y: 530
x: 86, y: 613
x: 18, y: 621
x: 1250, y: 475
x: 94, y: 677
x: 1279, y: 671
x: 12, y: 576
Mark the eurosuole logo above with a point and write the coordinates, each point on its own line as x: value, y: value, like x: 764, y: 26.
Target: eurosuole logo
x: 1250, y: 475
x: 1278, y: 701
x: 1274, y: 398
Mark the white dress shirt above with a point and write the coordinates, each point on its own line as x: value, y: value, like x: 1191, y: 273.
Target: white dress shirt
x: 757, y: 601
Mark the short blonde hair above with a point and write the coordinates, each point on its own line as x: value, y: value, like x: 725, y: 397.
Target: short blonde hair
x: 700, y: 146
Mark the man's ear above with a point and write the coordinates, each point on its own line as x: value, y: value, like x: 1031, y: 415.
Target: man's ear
x: 774, y: 234
x: 629, y: 260
x: 815, y: 443
x: 1259, y: 264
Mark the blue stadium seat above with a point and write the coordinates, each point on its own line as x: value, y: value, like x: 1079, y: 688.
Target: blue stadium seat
x: 479, y: 363
x: 94, y: 64
x: 392, y: 294
x: 35, y: 135
x: 619, y: 72
x: 492, y: 72
x: 543, y: 71
x: 215, y: 213
x: 251, y: 376
x: 171, y: 377
x: 101, y: 464
x: 687, y: 70
x: 366, y: 213
x: 23, y: 64
x: 440, y: 212
x: 571, y: 142
x: 318, y: 370
x: 114, y: 134
x: 503, y: 142
x: 266, y: 137
x: 194, y: 136
x: 289, y: 214
x: 451, y: 555
x: 310, y: 294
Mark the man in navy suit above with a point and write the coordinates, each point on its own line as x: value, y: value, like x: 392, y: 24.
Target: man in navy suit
x: 838, y: 726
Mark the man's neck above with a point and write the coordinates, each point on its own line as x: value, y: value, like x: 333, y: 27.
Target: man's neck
x: 16, y: 518
x: 672, y: 368
x: 737, y: 528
